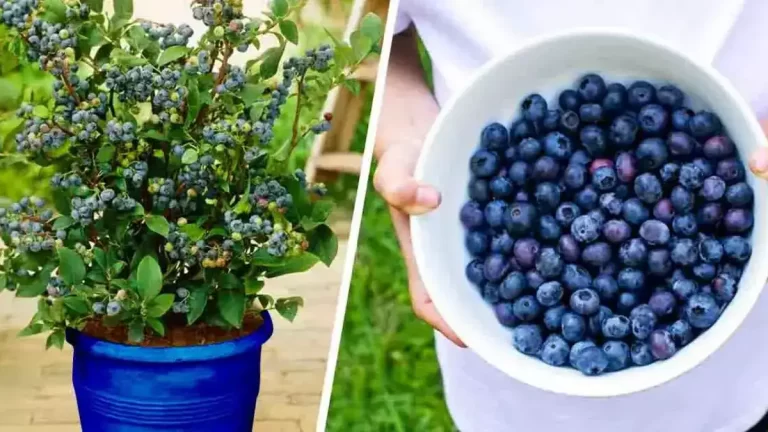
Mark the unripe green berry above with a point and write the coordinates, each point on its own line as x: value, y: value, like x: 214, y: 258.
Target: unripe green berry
x: 64, y: 34
x: 237, y: 236
x: 176, y: 119
x: 169, y: 247
x: 181, y: 222
x: 219, y: 30
x: 155, y: 119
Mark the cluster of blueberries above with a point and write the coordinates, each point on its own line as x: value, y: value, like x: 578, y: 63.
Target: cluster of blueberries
x: 84, y: 210
x: 136, y: 173
x: 234, y: 81
x: 181, y: 306
x: 47, y: 39
x: 15, y: 13
x: 181, y: 248
x: 318, y: 189
x: 38, y: 135
x: 134, y: 85
x: 84, y: 118
x: 611, y: 231
x: 196, y: 179
x: 268, y: 192
x: 217, y: 12
x: 200, y: 64
x: 27, y: 224
x: 168, y: 35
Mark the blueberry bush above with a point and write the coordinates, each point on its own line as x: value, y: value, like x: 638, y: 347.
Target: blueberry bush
x: 173, y: 200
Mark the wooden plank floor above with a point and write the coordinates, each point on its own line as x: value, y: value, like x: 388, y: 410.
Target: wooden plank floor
x: 36, y: 390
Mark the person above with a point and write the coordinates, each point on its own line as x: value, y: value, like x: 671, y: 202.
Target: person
x: 726, y: 393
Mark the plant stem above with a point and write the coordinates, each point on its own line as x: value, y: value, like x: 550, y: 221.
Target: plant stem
x: 70, y: 89
x: 63, y: 129
x: 295, y: 134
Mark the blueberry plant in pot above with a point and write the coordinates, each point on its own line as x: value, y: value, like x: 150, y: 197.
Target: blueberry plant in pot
x: 172, y: 200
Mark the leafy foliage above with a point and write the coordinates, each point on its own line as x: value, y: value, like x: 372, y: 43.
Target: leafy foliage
x: 173, y: 197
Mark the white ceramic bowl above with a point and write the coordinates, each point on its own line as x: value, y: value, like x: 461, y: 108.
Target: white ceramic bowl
x: 548, y: 66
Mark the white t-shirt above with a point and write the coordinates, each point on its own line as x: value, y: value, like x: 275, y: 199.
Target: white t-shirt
x: 726, y: 393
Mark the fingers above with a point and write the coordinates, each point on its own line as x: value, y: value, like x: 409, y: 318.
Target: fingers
x: 394, y: 181
x: 759, y: 163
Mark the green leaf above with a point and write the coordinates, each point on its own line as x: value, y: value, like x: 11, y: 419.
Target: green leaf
x: 31, y: 330
x: 3, y: 281
x: 279, y: 8
x: 77, y: 304
x: 228, y: 281
x: 103, y: 54
x: 122, y: 284
x: 194, y: 103
x: 100, y: 257
x: 156, y: 325
x: 231, y: 304
x: 265, y: 300
x: 118, y: 267
x: 253, y: 286
x: 290, y: 31
x: 197, y: 300
x: 323, y: 244
x: 149, y: 278
x: 189, y: 156
x: 372, y: 27
x: 252, y: 93
x: 97, y: 275
x: 217, y: 232
x: 136, y: 331
x: 137, y: 38
x: 172, y: 54
x: 352, y: 85
x: 123, y: 58
x: 158, y: 224
x: 95, y: 5
x: 361, y: 45
x: 63, y: 222
x: 105, y: 154
x: 142, y: 112
x: 288, y: 307
x: 71, y: 266
x: 90, y: 36
x: 321, y: 210
x: 294, y: 264
x: 123, y: 13
x: 155, y: 135
x: 61, y: 201
x: 271, y: 61
x: 55, y: 339
x: 195, y: 232
x: 159, y: 305
x: 55, y: 11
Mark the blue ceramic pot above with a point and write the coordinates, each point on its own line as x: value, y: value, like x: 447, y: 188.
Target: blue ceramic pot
x: 209, y: 388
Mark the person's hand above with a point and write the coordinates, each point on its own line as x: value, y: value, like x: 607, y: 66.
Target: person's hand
x: 406, y: 196
x: 758, y: 163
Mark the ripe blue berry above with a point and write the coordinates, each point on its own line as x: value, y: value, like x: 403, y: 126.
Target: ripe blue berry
x: 555, y: 350
x: 702, y: 311
x: 640, y: 93
x: 527, y: 338
x: 617, y: 353
x: 573, y: 327
x: 585, y: 301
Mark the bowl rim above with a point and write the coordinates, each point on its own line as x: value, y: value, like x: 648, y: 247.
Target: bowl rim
x: 419, y: 240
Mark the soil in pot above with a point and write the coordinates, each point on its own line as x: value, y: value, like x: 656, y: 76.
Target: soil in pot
x: 177, y: 334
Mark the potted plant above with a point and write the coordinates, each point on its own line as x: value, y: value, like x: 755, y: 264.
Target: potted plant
x: 173, y: 201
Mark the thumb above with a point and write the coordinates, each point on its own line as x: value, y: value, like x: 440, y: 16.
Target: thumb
x: 394, y: 181
x: 759, y: 163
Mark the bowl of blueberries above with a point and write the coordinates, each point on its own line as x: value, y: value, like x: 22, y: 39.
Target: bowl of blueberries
x: 598, y: 224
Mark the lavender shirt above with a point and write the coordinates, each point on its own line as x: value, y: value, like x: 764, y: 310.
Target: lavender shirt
x: 729, y: 391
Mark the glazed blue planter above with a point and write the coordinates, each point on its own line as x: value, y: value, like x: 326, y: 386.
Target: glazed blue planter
x: 209, y: 388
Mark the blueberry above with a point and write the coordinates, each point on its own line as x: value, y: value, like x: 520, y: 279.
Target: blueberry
x: 549, y: 293
x: 569, y: 100
x: 662, y: 345
x: 654, y: 232
x: 610, y: 203
x: 597, y: 254
x: 521, y: 129
x: 598, y: 216
x: 534, y: 107
x: 640, y: 93
x: 640, y: 353
x: 659, y: 262
x: 691, y: 176
x: 606, y: 287
x: 549, y: 263
x: 551, y: 120
x: 737, y: 249
x: 616, y: 327
x: 526, y: 308
x: 662, y: 303
x: 569, y: 248
x: 545, y: 168
x: 529, y: 149
x: 718, y: 147
x: 617, y: 353
x: 471, y: 215
x: 684, y: 252
x: 623, y: 131
x: 495, y: 137
x: 653, y: 119
x: 505, y: 315
x: 631, y: 279
x: 525, y: 252
x: 642, y: 322
x: 633, y: 253
x: 724, y: 288
x: 585, y: 229
x: 553, y: 318
x: 626, y: 167
x: 682, y: 199
x: 494, y: 213
x: 475, y: 272
x: 520, y: 218
x: 510, y: 154
x: 634, y: 212
x: 547, y: 196
x: 519, y: 173
x: 710, y: 250
x: 585, y: 301
x: 738, y: 220
x: 477, y: 242
x: 706, y: 166
x: 576, y: 277
x: 709, y: 215
x: 484, y: 163
x: 535, y: 279
x: 739, y: 195
x: 587, y: 198
x: 569, y: 123
x: 648, y: 188
x: 704, y: 272
x: 704, y: 125
x: 573, y: 327
x: 670, y: 96
x: 490, y: 293
x: 713, y: 188
x: 702, y: 310
x: 513, y: 286
x: 558, y: 146
x: 594, y: 140
x: 501, y: 187
x: 495, y: 267
x: 522, y: 196
x: 566, y: 213
x: 527, y: 338
x: 681, y: 118
x: 595, y: 322
x: 664, y: 210
x: 577, y: 349
x: 591, y: 88
x: 591, y: 113
x: 604, y: 179
x: 502, y: 243
x: 680, y: 144
x: 555, y: 350
x: 549, y: 229
x: 616, y: 231
x: 731, y: 170
x: 615, y: 100
x: 681, y: 332
x: 479, y: 190
x: 684, y: 288
x: 685, y: 225
x: 575, y: 176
